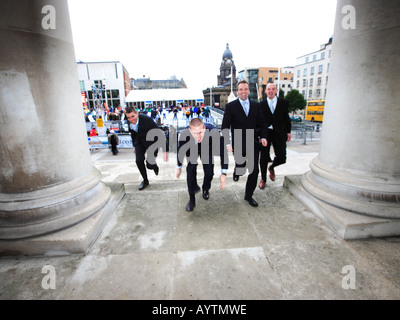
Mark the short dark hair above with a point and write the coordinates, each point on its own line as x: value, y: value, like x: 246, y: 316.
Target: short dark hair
x: 243, y: 81
x: 130, y: 109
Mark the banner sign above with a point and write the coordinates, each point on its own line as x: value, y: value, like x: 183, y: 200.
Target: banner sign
x: 101, y: 142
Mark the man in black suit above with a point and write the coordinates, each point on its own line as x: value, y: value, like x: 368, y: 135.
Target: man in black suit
x: 245, y: 120
x: 276, y: 113
x: 202, y: 140
x: 140, y: 126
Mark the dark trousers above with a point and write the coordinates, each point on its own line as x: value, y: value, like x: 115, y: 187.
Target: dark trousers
x: 114, y: 148
x: 191, y: 177
x: 278, y: 142
x: 252, y: 178
x: 140, y: 151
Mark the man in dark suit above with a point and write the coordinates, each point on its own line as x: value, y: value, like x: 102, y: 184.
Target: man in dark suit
x: 276, y: 113
x: 202, y: 140
x: 139, y: 127
x: 245, y: 120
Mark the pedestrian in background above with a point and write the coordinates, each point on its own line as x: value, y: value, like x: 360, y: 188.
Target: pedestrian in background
x: 113, y: 141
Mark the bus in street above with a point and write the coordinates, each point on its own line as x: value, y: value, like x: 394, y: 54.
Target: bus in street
x: 315, y: 110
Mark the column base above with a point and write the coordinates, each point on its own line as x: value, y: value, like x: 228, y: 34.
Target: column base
x: 346, y: 224
x: 76, y: 239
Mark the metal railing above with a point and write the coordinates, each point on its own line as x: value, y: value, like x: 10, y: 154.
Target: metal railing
x: 302, y: 131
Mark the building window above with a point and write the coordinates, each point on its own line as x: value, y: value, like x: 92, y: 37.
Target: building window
x: 322, y: 55
x: 307, y: 59
x: 312, y: 71
x: 320, y: 68
x: 304, y: 82
x: 309, y: 93
x: 298, y: 73
x: 311, y: 82
x: 314, y: 57
x: 318, y: 93
x: 298, y: 83
x: 305, y: 72
x: 319, y: 81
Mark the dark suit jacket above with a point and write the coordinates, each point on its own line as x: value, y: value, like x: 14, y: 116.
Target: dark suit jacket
x: 280, y: 119
x: 235, y: 118
x: 145, y: 125
x: 208, y: 138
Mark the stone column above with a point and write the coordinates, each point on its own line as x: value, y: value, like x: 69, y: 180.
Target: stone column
x: 354, y: 183
x: 47, y: 181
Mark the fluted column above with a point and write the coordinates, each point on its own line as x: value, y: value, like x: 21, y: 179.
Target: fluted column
x: 47, y: 181
x: 354, y: 183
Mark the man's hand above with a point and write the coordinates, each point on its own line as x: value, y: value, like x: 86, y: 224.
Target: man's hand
x: 165, y: 156
x: 229, y: 148
x: 178, y: 172
x: 223, y: 181
x: 264, y: 142
x: 289, y: 136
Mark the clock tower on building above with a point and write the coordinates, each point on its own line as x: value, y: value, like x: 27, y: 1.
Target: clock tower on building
x: 227, y: 66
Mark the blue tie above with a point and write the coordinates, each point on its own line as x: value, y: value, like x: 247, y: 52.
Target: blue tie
x: 246, y: 108
x: 271, y: 106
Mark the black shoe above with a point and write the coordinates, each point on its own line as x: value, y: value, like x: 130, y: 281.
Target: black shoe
x: 197, y: 189
x: 190, y: 206
x: 235, y: 177
x: 144, y: 184
x: 156, y: 170
x: 206, y: 195
x: 250, y: 200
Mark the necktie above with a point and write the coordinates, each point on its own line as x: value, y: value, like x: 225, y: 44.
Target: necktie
x: 246, y: 108
x: 271, y: 106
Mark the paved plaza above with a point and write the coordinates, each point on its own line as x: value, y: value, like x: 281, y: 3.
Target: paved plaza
x: 152, y: 249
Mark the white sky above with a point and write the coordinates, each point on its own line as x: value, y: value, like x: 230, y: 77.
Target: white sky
x: 186, y: 38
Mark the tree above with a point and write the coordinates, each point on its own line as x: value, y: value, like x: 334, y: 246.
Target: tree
x: 296, y: 100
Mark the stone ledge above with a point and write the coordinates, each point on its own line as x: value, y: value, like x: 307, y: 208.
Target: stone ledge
x: 346, y: 224
x: 76, y: 239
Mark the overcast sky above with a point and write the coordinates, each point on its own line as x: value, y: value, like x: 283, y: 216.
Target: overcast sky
x: 186, y: 38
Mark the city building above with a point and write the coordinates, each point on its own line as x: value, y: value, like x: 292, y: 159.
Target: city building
x: 147, y: 84
x: 164, y: 98
x: 226, y: 82
x: 227, y: 70
x: 258, y: 79
x: 311, y: 73
x: 107, y: 82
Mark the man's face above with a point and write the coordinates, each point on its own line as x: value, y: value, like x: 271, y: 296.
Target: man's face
x: 132, y: 117
x: 271, y: 91
x: 198, y: 133
x: 243, y: 91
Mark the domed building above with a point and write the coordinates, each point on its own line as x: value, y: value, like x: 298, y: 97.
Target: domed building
x: 220, y: 95
x: 227, y: 65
